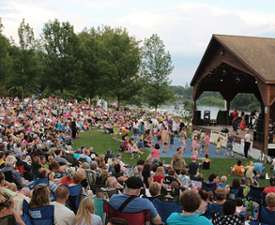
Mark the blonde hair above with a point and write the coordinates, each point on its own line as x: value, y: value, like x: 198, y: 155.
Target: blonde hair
x: 86, y: 208
x: 159, y: 171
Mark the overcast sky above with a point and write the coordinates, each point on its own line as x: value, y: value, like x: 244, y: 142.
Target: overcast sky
x: 185, y: 26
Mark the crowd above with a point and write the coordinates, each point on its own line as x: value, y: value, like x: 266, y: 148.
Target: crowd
x: 42, y: 178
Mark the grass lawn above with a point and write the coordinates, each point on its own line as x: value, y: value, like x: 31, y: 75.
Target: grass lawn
x: 101, y: 142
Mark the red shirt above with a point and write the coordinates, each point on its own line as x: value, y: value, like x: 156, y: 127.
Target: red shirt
x: 158, y: 178
x: 269, y: 189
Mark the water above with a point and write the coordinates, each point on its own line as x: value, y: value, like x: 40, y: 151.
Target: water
x: 213, y: 111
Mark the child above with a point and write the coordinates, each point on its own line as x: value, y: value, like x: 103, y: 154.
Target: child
x: 219, y: 144
x: 222, y: 183
x: 238, y: 169
x: 206, y: 163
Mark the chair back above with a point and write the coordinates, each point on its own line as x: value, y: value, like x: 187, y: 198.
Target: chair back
x: 255, y: 194
x: 75, y: 197
x: 38, y: 181
x: 266, y: 216
x: 8, y: 220
x: 38, y: 216
x: 166, y: 208
x: 137, y: 218
x: 99, y: 207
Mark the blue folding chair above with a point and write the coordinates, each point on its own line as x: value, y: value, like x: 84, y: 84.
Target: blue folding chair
x: 75, y: 197
x: 38, y: 216
x: 166, y: 208
x: 37, y: 181
x: 256, y: 194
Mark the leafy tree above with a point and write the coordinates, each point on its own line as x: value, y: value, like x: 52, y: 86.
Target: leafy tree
x: 118, y: 64
x: 23, y: 79
x: 156, y: 68
x: 61, y: 45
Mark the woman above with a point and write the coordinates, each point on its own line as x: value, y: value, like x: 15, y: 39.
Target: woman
x: 85, y: 214
x: 159, y: 175
x: 40, y: 196
x: 8, y: 216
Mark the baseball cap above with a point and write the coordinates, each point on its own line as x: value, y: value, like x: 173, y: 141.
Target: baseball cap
x: 134, y: 183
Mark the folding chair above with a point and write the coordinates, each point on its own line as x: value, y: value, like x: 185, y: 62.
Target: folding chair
x: 38, y: 216
x: 75, y: 197
x: 256, y: 194
x: 166, y: 208
x: 39, y: 181
x: 137, y: 218
x: 8, y: 220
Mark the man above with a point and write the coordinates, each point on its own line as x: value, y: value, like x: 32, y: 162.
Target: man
x: 190, y: 201
x: 136, y: 204
x: 62, y: 214
x: 247, y: 142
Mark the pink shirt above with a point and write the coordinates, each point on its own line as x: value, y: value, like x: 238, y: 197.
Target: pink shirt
x: 155, y: 154
x: 207, y: 140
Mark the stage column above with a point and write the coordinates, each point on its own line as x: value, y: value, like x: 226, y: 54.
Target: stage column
x: 266, y: 128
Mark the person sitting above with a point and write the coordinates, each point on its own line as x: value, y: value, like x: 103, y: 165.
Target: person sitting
x: 137, y: 204
x: 238, y: 169
x: 267, y: 214
x: 159, y: 175
x: 85, y: 214
x: 63, y: 215
x: 228, y: 216
x: 7, y: 213
x: 222, y: 182
x: 40, y: 196
x: 190, y: 201
x: 206, y: 163
x: 215, y: 208
x: 271, y: 187
x: 154, y: 190
x: 193, y: 167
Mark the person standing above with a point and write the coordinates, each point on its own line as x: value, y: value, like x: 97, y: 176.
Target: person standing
x: 247, y: 142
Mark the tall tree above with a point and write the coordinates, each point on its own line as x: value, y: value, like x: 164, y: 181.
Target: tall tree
x: 23, y: 79
x: 118, y: 64
x: 156, y: 67
x: 62, y: 65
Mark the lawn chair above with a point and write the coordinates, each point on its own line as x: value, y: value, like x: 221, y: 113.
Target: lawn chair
x: 74, y: 197
x: 166, y: 208
x: 137, y: 218
x: 256, y: 194
x: 38, y: 181
x: 38, y: 216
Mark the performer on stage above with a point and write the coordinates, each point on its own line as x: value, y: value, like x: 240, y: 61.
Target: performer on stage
x: 247, y: 142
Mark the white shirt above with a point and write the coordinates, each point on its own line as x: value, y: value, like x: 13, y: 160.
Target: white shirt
x: 63, y: 215
x: 247, y: 138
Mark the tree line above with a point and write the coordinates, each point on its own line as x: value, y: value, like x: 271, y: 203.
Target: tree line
x: 106, y: 62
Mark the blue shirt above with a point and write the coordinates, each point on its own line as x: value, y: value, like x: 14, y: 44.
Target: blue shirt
x: 181, y: 219
x: 136, y: 205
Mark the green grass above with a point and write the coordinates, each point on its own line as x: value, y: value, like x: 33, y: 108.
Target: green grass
x: 101, y: 142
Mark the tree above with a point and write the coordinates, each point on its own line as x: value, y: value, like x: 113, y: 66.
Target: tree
x: 156, y: 68
x: 62, y: 48
x: 118, y: 63
x: 23, y: 79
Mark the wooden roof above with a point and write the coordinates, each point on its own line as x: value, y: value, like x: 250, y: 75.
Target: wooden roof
x: 255, y: 53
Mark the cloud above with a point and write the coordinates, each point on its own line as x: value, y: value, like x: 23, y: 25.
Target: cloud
x: 185, y: 26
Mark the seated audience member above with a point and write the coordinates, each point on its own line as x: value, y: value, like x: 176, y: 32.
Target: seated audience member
x: 228, y: 216
x: 184, y: 178
x: 193, y: 167
x: 238, y: 169
x: 222, y: 182
x: 271, y: 187
x: 215, y: 208
x: 85, y: 214
x: 236, y: 190
x: 159, y: 175
x: 40, y: 196
x: 211, y: 184
x: 190, y: 202
x: 206, y: 163
x: 267, y: 215
x: 154, y: 190
x: 62, y: 214
x: 204, y: 201
x: 7, y: 213
x: 137, y: 204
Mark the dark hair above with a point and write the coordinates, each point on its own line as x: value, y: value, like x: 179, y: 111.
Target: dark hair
x: 239, y: 162
x: 220, y: 194
x: 140, y: 162
x: 272, y: 181
x: 229, y: 207
x: 190, y: 201
x: 212, y: 177
x: 204, y: 194
x: 239, y: 202
x: 157, y: 146
x: 235, y: 183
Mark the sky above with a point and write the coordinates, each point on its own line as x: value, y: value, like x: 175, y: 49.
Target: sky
x: 185, y: 26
